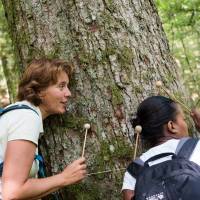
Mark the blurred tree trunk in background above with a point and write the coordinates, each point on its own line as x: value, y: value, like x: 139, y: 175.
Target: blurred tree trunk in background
x: 8, y: 74
x: 181, y: 21
x: 11, y: 77
x: 119, y: 50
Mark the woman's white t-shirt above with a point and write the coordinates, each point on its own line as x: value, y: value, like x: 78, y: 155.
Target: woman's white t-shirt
x: 169, y: 146
x: 21, y: 124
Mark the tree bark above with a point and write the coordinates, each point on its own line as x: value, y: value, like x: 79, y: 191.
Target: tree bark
x: 119, y: 50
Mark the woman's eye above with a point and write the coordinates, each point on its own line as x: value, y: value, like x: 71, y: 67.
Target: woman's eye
x: 61, y: 86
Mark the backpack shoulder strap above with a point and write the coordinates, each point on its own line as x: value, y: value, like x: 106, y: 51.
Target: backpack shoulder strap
x: 186, y: 148
x: 41, y: 172
x: 1, y: 169
x: 157, y: 157
x: 180, y: 144
x: 15, y: 107
x: 135, y: 166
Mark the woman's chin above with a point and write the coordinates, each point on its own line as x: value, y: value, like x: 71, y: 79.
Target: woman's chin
x: 62, y: 111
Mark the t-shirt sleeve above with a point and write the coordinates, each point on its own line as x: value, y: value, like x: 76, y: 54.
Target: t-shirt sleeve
x: 128, y: 182
x: 24, y: 125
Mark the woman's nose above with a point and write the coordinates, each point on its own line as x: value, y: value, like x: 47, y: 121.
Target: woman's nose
x: 67, y: 92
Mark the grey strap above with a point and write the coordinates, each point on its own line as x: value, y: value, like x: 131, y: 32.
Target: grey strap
x: 188, y: 148
x: 139, y: 162
x: 180, y: 144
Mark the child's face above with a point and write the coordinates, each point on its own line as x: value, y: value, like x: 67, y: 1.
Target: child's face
x: 181, y: 124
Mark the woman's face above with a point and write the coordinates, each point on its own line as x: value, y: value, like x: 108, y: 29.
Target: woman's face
x: 54, y: 98
x: 181, y: 125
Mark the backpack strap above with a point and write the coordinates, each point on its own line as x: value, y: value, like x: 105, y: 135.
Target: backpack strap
x: 15, y: 107
x: 41, y: 172
x: 180, y: 144
x: 1, y: 169
x: 134, y: 167
x: 187, y: 148
x: 157, y: 157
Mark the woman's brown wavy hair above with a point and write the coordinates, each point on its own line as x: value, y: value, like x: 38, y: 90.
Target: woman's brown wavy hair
x: 40, y: 74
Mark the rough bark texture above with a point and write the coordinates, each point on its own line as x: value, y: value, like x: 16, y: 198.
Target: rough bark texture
x: 119, y: 49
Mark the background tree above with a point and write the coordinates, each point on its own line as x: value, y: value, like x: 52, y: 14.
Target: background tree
x: 119, y: 50
x: 8, y: 65
x: 181, y: 20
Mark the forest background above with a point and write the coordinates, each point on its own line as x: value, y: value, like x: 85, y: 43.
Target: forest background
x: 181, y: 22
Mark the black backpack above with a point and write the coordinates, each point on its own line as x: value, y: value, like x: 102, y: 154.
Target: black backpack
x: 174, y: 179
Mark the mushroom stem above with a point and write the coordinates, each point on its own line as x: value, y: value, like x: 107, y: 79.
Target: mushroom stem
x: 83, y: 151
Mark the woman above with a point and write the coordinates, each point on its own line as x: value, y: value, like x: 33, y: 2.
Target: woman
x: 44, y: 88
x: 163, y: 124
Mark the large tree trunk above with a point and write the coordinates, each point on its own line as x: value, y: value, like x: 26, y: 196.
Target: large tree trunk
x: 119, y: 49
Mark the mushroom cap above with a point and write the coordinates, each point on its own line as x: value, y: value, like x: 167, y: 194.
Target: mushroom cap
x: 138, y: 129
x: 158, y: 83
x: 87, y: 126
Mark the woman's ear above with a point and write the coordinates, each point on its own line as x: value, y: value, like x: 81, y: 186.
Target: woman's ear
x: 171, y: 127
x: 41, y: 94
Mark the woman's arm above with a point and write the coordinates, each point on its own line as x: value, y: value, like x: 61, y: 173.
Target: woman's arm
x: 17, y: 164
x: 128, y: 194
x: 128, y: 186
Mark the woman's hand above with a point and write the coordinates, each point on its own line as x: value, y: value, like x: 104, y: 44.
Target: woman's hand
x: 74, y: 172
x: 195, y: 114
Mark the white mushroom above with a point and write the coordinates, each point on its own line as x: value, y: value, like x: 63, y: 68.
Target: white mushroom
x: 87, y: 126
x: 158, y: 84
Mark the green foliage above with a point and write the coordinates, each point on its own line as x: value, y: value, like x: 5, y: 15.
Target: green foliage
x: 181, y: 21
x: 8, y: 74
